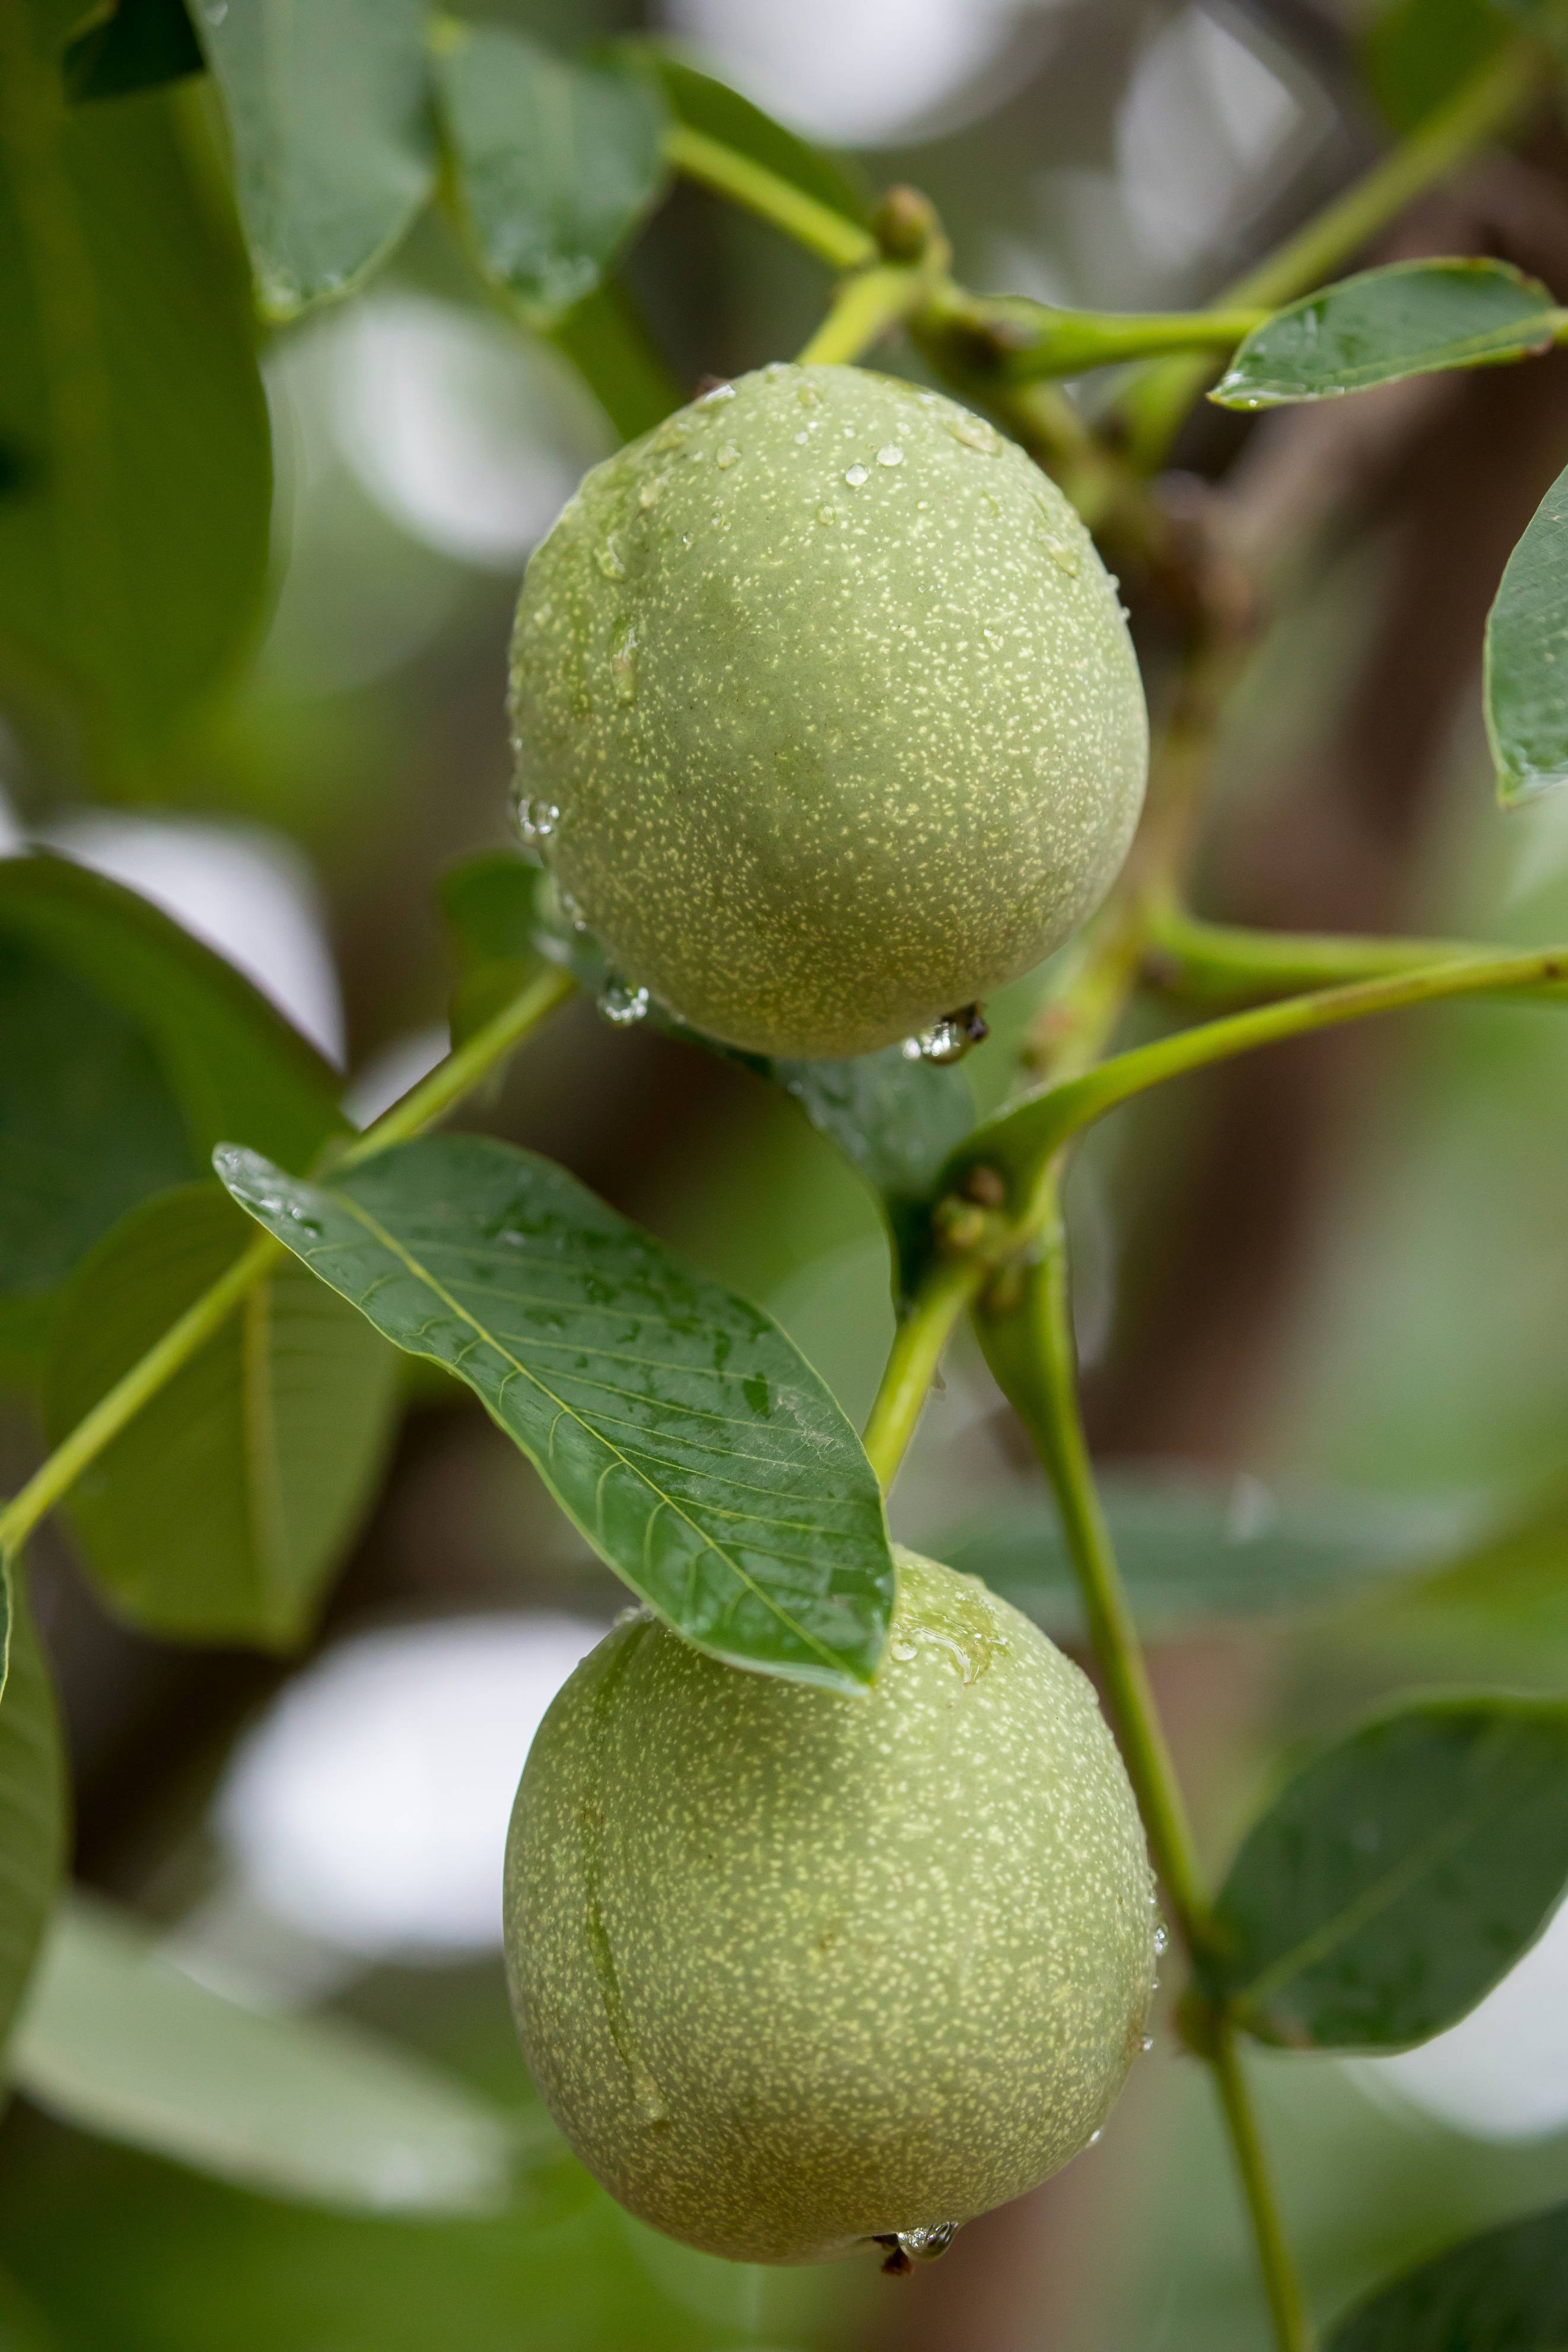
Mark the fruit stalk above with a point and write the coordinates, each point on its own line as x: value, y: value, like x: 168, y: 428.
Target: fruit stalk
x: 457, y: 1074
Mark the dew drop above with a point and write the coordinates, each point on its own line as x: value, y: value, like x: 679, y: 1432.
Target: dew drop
x: 1096, y: 2137
x: 802, y: 437
x: 808, y: 395
x: 975, y: 434
x: 925, y: 2245
x: 1162, y: 1938
x: 1147, y: 2044
x: 1064, y: 555
x: 727, y: 456
x: 650, y: 491
x: 622, y: 1005
x: 717, y: 392
x: 949, y: 1039
x: 611, y: 560
x: 623, y: 664
x: 537, y: 819
x: 890, y: 454
x: 856, y: 476
x: 826, y: 514
x: 904, y: 1651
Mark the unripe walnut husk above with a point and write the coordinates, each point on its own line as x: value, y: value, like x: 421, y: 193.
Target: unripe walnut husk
x: 825, y: 710
x: 795, y: 1971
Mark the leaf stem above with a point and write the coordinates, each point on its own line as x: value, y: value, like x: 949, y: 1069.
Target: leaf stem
x: 834, y: 239
x: 452, y: 1078
x: 1154, y: 405
x: 1287, y: 2303
x: 1023, y: 1142
x: 923, y: 1332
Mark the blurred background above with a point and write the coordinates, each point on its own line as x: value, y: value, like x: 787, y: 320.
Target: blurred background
x: 1326, y: 1280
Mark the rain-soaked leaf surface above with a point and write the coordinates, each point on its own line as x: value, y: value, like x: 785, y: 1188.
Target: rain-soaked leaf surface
x: 675, y: 1425
x: 1504, y: 2292
x: 1527, y: 657
x: 554, y: 162
x: 1413, y: 317
x: 1398, y: 1875
x: 328, y: 108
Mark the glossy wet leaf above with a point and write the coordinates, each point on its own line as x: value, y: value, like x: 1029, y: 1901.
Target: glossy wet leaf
x: 1504, y: 2292
x: 135, y: 520
x: 1526, y: 675
x: 554, y: 162
x: 675, y: 1425
x: 1398, y: 1875
x: 1194, y: 1549
x: 117, y: 2040
x: 140, y: 44
x: 32, y: 1798
x: 113, y: 1021
x: 706, y: 104
x: 220, y: 1512
x: 328, y: 109
x: 1413, y: 317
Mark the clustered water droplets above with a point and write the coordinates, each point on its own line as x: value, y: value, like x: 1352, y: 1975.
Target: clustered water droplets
x: 949, y: 1039
x: 622, y: 1005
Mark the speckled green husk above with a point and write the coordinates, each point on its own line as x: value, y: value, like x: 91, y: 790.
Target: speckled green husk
x: 837, y: 707
x: 794, y: 1969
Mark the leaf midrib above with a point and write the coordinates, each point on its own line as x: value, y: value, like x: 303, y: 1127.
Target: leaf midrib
x: 420, y: 1273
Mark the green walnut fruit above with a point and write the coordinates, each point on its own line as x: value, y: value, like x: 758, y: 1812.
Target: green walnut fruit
x: 826, y: 717
x: 795, y: 1970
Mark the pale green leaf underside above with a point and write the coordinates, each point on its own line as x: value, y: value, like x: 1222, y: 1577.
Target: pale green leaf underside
x: 678, y: 1427
x: 115, y: 2039
x: 32, y: 1800
x: 1413, y: 317
x: 326, y: 109
x: 1527, y: 657
x: 554, y: 162
x: 220, y: 1510
x: 1399, y: 1875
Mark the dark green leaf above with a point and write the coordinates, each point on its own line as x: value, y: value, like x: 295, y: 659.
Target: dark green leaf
x: 220, y: 1512
x: 333, y: 155
x: 553, y: 164
x: 1527, y: 658
x: 1505, y: 2292
x: 719, y: 113
x: 676, y: 1425
x: 117, y: 2040
x: 1413, y: 318
x: 1417, y: 53
x: 1398, y: 1875
x: 134, y: 538
x: 113, y: 1021
x: 22, y: 2324
x: 1192, y: 1549
x: 32, y: 1797
x: 141, y: 44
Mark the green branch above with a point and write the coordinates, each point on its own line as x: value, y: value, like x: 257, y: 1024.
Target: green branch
x: 834, y: 239
x: 1153, y: 407
x: 434, y: 1096
x: 1023, y: 1143
x: 864, y: 308
x: 1226, y: 963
